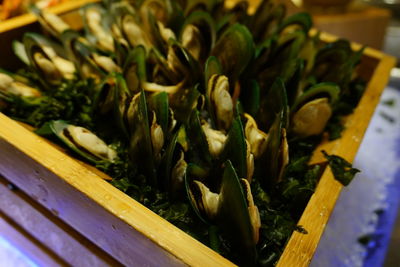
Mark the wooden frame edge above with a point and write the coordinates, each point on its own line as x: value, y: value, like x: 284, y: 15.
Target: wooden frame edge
x: 322, y: 202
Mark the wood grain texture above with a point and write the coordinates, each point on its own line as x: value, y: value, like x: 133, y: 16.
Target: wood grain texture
x: 49, y: 230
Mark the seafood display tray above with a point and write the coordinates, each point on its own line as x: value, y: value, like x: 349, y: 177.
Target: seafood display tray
x: 130, y: 232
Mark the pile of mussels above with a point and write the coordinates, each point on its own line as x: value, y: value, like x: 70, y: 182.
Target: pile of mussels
x: 199, y: 103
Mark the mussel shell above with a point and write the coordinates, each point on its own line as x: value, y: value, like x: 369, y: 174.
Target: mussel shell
x: 16, y: 85
x: 135, y: 68
x: 265, y: 18
x: 193, y: 194
x: 104, y: 21
x: 60, y: 129
x: 336, y: 62
x: 212, y: 66
x: 159, y: 9
x: 121, y: 97
x: 19, y: 50
x: 140, y: 147
x: 235, y: 148
x: 219, y: 102
x: 274, y: 159
x: 155, y: 34
x: 302, y: 19
x: 234, y: 50
x: 206, y: 25
x: 34, y: 43
x: 184, y: 102
x: 283, y: 61
x: 330, y: 90
x: 80, y: 52
x: 272, y: 104
x: 187, y: 67
x: 171, y: 157
x: 311, y: 118
x: 233, y: 216
x: 55, y: 27
x: 159, y: 103
x: 198, y: 145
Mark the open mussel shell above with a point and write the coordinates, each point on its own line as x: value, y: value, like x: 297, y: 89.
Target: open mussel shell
x: 52, y: 23
x: 276, y: 155
x: 158, y: 33
x: 47, y: 58
x: 198, y: 145
x: 80, y: 140
x: 106, y: 95
x: 232, y: 210
x: 140, y: 144
x: 235, y: 217
x: 130, y: 25
x: 183, y: 64
x: 16, y: 85
x: 283, y: 62
x: 159, y: 103
x: 336, y: 62
x: 302, y: 20
x: 184, y: 102
x: 98, y: 27
x: 326, y: 89
x: 88, y: 61
x: 198, y: 35
x: 234, y: 50
x: 80, y: 52
x: 257, y: 139
x: 180, y: 70
x: 19, y: 50
x: 313, y: 109
x: 219, y: 101
x: 228, y: 209
x: 235, y: 149
x: 122, y: 95
x: 168, y: 12
x: 271, y: 104
x: 212, y: 67
x: 175, y: 165
x: 134, y: 69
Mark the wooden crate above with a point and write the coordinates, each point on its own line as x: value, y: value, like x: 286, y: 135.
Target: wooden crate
x: 135, y: 235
